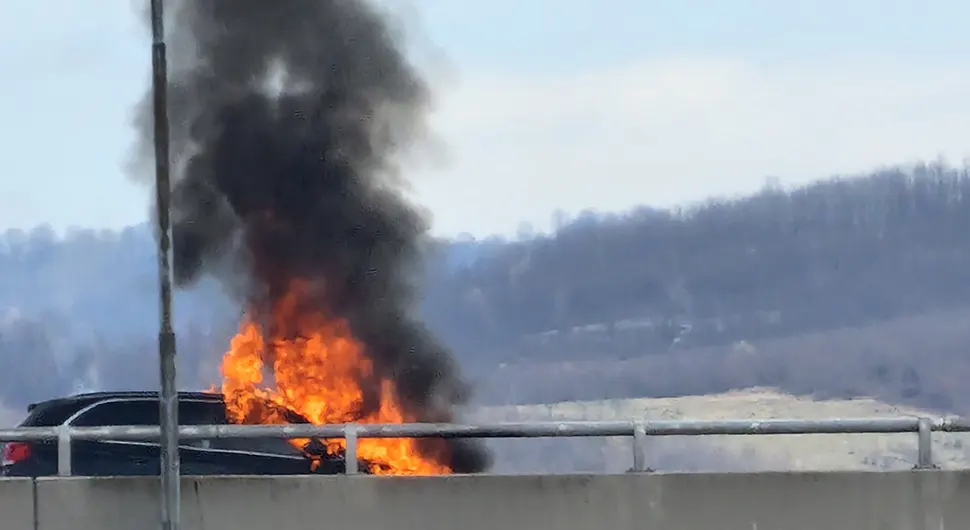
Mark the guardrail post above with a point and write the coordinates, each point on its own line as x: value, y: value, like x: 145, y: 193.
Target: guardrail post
x: 350, y: 452
x: 639, y: 447
x: 924, y: 447
x: 64, y: 451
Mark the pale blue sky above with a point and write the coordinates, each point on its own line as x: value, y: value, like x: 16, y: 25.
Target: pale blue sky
x: 543, y: 104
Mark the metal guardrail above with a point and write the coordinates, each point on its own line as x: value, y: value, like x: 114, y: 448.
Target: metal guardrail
x: 640, y: 430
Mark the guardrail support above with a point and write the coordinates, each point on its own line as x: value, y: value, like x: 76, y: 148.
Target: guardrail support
x: 639, y: 447
x: 924, y: 447
x: 64, y: 451
x: 350, y: 451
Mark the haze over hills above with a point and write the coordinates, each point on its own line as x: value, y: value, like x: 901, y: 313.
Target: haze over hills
x: 852, y: 286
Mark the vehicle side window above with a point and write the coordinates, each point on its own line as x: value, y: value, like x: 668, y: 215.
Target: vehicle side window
x: 120, y: 413
x: 145, y: 412
x: 196, y: 413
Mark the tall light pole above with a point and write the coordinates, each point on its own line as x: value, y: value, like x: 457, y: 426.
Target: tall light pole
x: 168, y: 397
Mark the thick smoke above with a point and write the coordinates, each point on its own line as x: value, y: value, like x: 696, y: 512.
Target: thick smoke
x: 286, y: 117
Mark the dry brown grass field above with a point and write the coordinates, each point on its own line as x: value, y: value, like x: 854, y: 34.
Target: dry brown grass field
x: 719, y: 453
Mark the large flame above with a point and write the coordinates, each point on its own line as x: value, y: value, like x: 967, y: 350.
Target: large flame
x: 319, y: 375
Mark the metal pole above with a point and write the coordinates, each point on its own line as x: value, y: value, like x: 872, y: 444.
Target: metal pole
x: 924, y: 447
x: 168, y: 405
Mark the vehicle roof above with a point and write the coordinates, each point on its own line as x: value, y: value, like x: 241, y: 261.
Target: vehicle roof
x: 93, y: 397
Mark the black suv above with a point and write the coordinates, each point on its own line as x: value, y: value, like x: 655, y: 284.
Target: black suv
x: 259, y: 456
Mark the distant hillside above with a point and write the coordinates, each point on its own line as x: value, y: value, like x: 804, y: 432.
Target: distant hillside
x: 648, y: 303
x: 841, y: 252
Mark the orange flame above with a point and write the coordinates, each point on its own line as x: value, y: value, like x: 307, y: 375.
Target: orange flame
x: 318, y: 375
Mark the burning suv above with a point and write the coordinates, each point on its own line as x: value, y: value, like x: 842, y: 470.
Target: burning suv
x: 261, y: 456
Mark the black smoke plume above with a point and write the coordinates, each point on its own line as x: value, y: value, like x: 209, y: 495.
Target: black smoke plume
x: 287, y: 116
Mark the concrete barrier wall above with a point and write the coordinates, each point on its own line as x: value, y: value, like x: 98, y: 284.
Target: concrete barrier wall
x: 927, y: 500
x: 17, y: 503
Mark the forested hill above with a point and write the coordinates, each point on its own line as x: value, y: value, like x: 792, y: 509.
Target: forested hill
x: 81, y: 309
x: 835, y: 253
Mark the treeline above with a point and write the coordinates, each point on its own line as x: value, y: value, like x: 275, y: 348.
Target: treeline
x: 81, y: 310
x: 835, y: 253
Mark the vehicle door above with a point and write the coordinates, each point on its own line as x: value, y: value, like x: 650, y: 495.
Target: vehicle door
x: 197, y: 457
x: 116, y: 457
x: 119, y: 457
x: 213, y: 456
x: 258, y: 456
